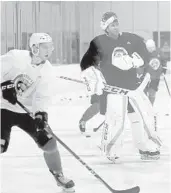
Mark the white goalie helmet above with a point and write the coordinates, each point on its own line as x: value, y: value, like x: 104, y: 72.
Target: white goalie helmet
x: 107, y: 19
x: 37, y: 38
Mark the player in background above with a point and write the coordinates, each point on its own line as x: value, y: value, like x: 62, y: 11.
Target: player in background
x: 118, y: 55
x: 27, y: 76
x: 156, y: 66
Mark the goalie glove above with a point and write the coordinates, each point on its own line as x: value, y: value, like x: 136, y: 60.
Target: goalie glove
x: 123, y: 62
x: 8, y: 91
x: 40, y: 120
x: 94, y: 80
x: 137, y: 61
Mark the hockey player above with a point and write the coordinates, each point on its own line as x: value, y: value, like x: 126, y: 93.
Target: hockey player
x: 119, y: 55
x: 156, y: 67
x: 27, y: 76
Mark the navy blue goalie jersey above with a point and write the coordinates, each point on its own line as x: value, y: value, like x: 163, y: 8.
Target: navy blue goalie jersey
x: 101, y: 50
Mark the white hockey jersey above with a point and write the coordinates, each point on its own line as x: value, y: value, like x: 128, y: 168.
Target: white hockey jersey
x: 35, y: 85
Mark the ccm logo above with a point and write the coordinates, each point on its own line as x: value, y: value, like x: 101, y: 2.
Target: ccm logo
x: 117, y: 90
x: 7, y: 86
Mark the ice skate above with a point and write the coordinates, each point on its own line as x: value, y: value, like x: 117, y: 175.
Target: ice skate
x: 82, y: 126
x: 147, y: 155
x: 109, y: 155
x: 66, y: 184
x: 114, y: 159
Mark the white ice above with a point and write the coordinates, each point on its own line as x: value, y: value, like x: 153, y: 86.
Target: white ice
x: 23, y: 169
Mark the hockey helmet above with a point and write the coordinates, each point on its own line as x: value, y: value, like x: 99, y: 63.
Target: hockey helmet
x: 37, y: 38
x: 150, y: 43
x: 108, y: 18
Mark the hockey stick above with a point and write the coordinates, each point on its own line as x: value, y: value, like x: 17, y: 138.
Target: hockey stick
x: 113, y: 89
x: 71, y: 79
x: 108, y: 88
x: 97, y: 128
x: 135, y: 189
x: 167, y: 87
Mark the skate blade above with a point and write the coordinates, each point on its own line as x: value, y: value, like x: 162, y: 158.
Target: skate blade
x: 150, y: 158
x: 86, y: 134
x: 68, y: 190
x: 114, y: 160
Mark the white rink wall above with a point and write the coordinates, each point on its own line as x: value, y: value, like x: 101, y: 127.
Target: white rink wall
x: 69, y: 90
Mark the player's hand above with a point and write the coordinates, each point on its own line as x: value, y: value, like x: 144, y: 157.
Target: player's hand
x: 137, y: 61
x: 99, y: 88
x: 41, y: 119
x: 123, y: 62
x: 8, y: 91
x: 94, y: 80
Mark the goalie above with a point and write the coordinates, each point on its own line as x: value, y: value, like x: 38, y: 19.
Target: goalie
x: 113, y: 58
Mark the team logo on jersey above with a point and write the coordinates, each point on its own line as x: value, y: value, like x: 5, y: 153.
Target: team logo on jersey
x: 154, y: 63
x: 22, y: 83
x: 121, y: 59
x: 119, y: 52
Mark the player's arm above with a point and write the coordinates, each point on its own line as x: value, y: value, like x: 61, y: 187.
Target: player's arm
x: 7, y: 62
x: 40, y: 105
x: 140, y: 49
x: 90, y: 71
x: 41, y: 101
x: 43, y: 94
x: 91, y: 57
x: 8, y: 91
x: 140, y: 55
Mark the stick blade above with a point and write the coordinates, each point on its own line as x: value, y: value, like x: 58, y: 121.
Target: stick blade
x: 135, y: 189
x: 95, y: 129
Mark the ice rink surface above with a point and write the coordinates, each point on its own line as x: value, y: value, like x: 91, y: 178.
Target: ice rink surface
x: 23, y: 169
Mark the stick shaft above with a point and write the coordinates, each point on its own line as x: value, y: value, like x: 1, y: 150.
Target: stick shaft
x: 66, y: 147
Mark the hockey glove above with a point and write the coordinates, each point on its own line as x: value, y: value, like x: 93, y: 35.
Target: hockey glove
x: 122, y: 62
x: 8, y: 91
x: 94, y: 80
x: 137, y: 61
x: 41, y: 119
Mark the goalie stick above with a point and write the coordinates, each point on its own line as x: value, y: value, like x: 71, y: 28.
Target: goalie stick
x: 135, y: 189
x: 108, y: 88
x: 114, y: 89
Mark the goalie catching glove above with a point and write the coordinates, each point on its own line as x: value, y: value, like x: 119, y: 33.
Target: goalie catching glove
x: 94, y: 80
x: 125, y: 62
x: 41, y: 119
x: 8, y: 91
x: 137, y: 61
